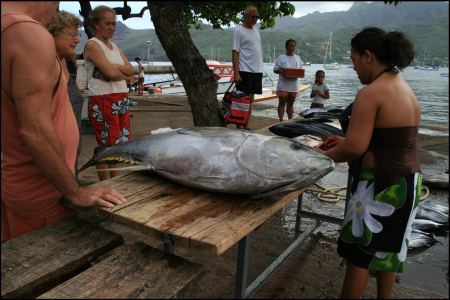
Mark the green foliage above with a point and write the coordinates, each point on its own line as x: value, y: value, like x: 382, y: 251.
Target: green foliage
x: 223, y: 13
x: 392, y: 2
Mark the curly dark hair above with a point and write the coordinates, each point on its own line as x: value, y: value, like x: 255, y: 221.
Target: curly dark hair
x: 393, y: 48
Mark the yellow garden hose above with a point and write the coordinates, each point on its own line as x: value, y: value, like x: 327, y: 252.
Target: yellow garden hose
x: 329, y: 195
x: 427, y: 192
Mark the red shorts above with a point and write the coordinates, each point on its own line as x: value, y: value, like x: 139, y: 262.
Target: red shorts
x: 110, y: 118
x: 285, y: 94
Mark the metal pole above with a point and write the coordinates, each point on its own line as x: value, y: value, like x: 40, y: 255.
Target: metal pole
x: 242, y: 268
x: 297, y: 218
x: 148, y: 51
x: 258, y: 282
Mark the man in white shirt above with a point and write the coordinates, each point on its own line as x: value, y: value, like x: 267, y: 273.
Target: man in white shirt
x: 247, y: 57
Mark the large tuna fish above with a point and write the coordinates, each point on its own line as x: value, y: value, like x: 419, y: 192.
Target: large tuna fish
x: 223, y: 160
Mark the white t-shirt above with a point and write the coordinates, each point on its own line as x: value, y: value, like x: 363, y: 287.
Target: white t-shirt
x: 285, y: 61
x: 248, y: 43
x: 99, y: 87
x: 322, y: 89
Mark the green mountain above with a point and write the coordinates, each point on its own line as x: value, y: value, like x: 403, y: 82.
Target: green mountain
x: 426, y: 23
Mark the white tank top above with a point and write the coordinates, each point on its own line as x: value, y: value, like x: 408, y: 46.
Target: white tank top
x: 99, y: 87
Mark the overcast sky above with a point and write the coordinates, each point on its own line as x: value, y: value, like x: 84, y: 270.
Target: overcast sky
x: 301, y: 8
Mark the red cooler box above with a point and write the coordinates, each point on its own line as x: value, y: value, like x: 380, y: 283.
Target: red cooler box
x: 294, y: 73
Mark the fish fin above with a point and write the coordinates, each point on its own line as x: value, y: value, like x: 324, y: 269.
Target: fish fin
x: 127, y: 168
x: 287, y: 188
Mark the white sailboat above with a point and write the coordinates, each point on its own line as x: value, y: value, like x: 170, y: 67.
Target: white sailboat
x: 330, y: 64
x: 425, y: 67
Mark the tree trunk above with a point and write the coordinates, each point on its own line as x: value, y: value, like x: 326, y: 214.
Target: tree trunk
x: 191, y: 67
x: 84, y: 12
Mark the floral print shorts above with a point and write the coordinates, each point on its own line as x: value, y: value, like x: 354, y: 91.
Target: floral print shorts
x: 110, y: 118
x: 377, y: 227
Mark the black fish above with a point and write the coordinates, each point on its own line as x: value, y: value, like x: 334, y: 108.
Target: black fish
x: 327, y: 115
x: 432, y: 215
x: 331, y: 129
x: 427, y: 225
x: 300, y: 128
x: 315, y: 120
x: 418, y: 240
x: 291, y: 130
x: 435, y: 207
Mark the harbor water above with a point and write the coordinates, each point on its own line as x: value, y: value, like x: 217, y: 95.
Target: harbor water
x: 430, y: 87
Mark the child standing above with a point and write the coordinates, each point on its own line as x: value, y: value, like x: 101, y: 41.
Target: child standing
x: 320, y: 91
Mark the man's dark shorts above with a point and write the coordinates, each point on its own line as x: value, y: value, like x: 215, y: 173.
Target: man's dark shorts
x: 140, y: 80
x: 251, y: 83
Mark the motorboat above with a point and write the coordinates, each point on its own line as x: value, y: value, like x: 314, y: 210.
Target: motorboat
x: 427, y: 68
x: 224, y: 74
x: 269, y: 96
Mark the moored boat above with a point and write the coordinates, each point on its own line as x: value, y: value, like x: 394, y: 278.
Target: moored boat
x: 224, y: 73
x: 328, y: 63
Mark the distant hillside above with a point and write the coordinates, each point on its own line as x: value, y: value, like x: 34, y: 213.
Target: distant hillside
x: 425, y: 22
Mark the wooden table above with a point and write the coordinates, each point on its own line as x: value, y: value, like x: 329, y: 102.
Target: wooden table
x: 192, y: 218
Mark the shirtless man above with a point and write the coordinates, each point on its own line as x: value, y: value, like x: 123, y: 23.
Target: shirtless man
x: 38, y: 127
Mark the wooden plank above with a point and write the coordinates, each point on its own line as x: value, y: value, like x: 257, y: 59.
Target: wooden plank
x: 150, y: 203
x: 132, y: 182
x: 153, y: 201
x: 159, y: 202
x: 34, y: 262
x: 193, y: 216
x: 127, y: 184
x: 132, y: 271
x: 241, y: 220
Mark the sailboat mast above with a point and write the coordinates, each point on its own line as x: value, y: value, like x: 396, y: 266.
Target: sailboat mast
x: 274, y: 51
x: 331, y: 40
x: 424, y: 56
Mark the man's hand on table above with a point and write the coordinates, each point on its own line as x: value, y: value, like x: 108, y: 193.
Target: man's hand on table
x: 97, y: 196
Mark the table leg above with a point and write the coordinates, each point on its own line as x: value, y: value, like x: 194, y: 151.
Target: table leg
x: 297, y: 218
x: 242, y: 268
x: 167, y: 243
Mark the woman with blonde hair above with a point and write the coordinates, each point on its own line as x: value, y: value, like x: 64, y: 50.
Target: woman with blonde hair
x: 107, y: 69
x: 64, y: 29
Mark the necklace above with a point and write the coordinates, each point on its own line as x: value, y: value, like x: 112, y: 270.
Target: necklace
x: 389, y: 69
x: 384, y: 71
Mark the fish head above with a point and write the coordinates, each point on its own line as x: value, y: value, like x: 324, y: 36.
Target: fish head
x: 133, y: 153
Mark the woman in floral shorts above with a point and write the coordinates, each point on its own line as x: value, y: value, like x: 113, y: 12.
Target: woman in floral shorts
x: 107, y: 69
